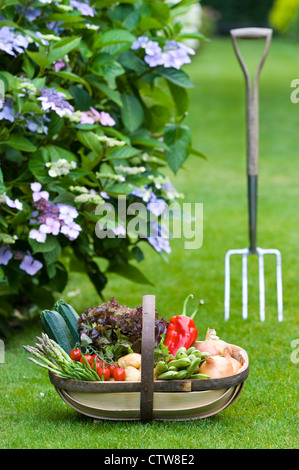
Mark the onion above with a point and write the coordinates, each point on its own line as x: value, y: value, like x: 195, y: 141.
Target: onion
x: 236, y: 364
x: 219, y: 344
x: 216, y: 367
x: 207, y: 346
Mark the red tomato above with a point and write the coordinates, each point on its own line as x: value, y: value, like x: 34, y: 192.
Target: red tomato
x: 112, y: 368
x: 75, y: 354
x: 88, y: 357
x: 103, y: 371
x: 99, y: 361
x: 119, y: 374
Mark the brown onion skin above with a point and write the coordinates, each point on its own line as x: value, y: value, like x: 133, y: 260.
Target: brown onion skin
x: 208, y: 347
x: 236, y: 364
x: 216, y: 367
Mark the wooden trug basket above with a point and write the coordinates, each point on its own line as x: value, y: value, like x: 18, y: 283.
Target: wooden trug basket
x: 151, y: 399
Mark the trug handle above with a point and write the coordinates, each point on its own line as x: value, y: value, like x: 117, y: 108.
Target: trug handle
x: 147, y: 354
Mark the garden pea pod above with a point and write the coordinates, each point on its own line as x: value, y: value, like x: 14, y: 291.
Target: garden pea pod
x: 181, y: 363
x: 191, y: 350
x: 161, y: 367
x: 191, y: 357
x: 199, y: 376
x: 172, y: 368
x: 182, y: 374
x: 193, y: 366
x: 170, y: 374
x: 182, y: 349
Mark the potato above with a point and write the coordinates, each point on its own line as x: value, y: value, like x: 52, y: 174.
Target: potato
x: 132, y: 374
x: 132, y: 359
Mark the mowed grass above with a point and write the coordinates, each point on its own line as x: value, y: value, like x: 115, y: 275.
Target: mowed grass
x: 266, y: 413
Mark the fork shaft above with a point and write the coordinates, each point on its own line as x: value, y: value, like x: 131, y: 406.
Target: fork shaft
x: 252, y: 212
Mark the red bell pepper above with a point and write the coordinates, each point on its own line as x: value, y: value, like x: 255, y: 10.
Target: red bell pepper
x: 181, y: 331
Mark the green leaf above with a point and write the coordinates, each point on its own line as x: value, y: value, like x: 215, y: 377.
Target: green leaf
x: 20, y: 142
x: 40, y: 58
x: 39, y: 170
x: 160, y: 116
x: 105, y: 65
x: 62, y: 48
x: 89, y: 139
x: 148, y: 23
x: 131, y: 112
x: 180, y: 98
x: 129, y: 272
x: 49, y: 245
x: 178, y: 139
x: 131, y: 61
x: 178, y: 77
x: 2, y: 185
x: 116, y: 36
x: 112, y: 94
x: 72, y: 77
x: 143, y: 137
x: 123, y: 152
x: 195, y: 35
x: 197, y: 154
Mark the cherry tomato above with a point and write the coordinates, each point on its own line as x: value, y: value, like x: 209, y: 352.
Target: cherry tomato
x: 88, y: 357
x: 119, y: 374
x: 98, y: 361
x: 103, y: 371
x: 75, y: 354
x: 112, y: 368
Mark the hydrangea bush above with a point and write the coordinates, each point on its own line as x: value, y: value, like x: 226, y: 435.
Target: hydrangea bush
x: 94, y: 98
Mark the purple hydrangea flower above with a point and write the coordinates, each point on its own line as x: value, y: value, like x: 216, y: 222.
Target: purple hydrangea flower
x: 174, y: 54
x: 104, y: 195
x: 7, y: 111
x: 92, y: 116
x: 156, y: 205
x: 140, y: 43
x: 53, y: 100
x: 60, y: 64
x: 159, y: 238
x: 83, y: 7
x: 32, y: 13
x: 120, y: 230
x: 30, y: 265
x: 5, y: 255
x: 37, y: 193
x: 37, y: 235
x: 11, y: 41
x: 154, y: 56
x: 16, y: 204
x: 71, y: 230
x: 50, y: 226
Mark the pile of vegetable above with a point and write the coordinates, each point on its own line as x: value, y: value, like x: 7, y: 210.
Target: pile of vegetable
x: 104, y: 343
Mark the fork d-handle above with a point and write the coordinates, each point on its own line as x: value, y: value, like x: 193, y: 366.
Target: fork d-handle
x: 252, y: 121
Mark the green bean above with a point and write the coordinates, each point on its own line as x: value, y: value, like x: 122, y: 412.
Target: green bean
x: 168, y: 375
x: 193, y: 366
x: 199, y: 376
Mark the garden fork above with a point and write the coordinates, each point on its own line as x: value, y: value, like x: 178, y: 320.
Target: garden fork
x: 252, y: 173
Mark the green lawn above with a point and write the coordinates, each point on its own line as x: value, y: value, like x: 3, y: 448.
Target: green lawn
x: 266, y: 413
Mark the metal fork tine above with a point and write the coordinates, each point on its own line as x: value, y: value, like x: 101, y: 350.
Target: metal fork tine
x: 227, y: 286
x: 244, y: 286
x: 261, y: 283
x: 260, y: 253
